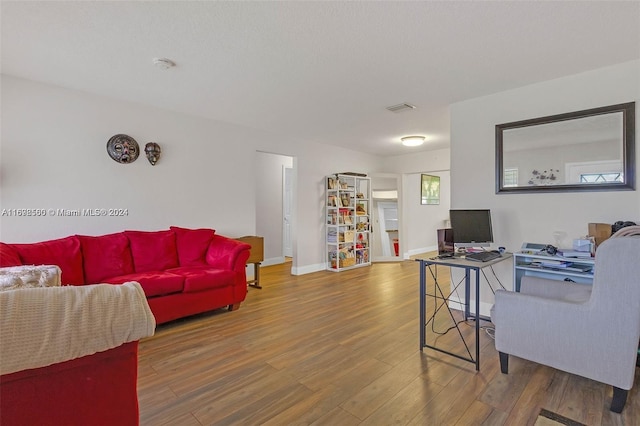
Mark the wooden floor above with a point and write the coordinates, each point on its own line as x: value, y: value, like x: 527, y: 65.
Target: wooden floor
x: 343, y: 349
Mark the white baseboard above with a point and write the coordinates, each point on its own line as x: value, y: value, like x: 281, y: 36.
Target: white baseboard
x: 421, y: 250
x: 307, y: 269
x: 273, y: 261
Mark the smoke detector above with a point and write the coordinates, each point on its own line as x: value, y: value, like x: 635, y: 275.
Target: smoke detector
x: 163, y: 63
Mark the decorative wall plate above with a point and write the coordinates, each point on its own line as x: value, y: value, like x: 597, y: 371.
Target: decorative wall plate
x: 123, y: 148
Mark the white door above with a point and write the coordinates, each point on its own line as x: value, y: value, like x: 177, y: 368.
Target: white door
x: 287, y: 201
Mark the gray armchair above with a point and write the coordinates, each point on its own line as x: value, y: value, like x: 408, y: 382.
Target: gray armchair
x: 590, y: 332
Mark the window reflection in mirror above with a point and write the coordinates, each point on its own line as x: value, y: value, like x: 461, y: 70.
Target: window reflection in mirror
x: 583, y: 150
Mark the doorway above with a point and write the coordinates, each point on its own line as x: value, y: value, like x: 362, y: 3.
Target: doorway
x: 386, y: 232
x: 275, y: 201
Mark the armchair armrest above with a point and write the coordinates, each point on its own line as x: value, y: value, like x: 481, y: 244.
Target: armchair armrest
x: 546, y: 323
x: 48, y: 325
x: 556, y: 332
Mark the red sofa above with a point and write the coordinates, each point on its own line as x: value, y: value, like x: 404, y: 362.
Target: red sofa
x: 182, y: 271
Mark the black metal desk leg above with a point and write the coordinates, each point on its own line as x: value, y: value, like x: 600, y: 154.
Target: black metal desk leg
x: 423, y: 304
x: 467, y: 297
x: 477, y: 320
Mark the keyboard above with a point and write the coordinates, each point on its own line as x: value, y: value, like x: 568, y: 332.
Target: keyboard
x: 482, y: 256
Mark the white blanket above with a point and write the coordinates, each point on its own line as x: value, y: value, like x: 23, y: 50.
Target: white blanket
x: 48, y: 325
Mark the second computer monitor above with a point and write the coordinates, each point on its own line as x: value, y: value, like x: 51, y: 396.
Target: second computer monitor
x: 445, y: 242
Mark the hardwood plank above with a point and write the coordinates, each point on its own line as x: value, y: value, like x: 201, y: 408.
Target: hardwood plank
x: 343, y: 349
x: 583, y: 400
x: 310, y: 409
x: 374, y: 395
x: 337, y: 416
x: 477, y: 413
x: 401, y: 407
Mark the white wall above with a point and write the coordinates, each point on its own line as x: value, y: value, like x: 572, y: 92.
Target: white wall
x: 53, y: 155
x: 424, y: 220
x: 311, y: 170
x: 535, y: 217
x: 419, y: 222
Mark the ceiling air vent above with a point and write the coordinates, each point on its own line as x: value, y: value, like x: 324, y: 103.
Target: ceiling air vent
x: 401, y: 107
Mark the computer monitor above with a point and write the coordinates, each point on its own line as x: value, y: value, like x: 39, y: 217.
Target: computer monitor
x: 471, y: 228
x: 446, y: 246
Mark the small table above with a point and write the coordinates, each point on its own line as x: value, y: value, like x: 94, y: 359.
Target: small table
x: 468, y: 266
x: 256, y: 257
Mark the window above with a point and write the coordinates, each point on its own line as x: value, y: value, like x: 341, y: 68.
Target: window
x: 510, y: 177
x: 601, y: 177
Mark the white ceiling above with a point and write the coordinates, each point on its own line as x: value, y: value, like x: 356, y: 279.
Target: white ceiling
x: 322, y: 70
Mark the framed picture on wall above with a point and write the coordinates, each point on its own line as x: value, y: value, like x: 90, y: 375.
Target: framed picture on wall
x: 430, y: 189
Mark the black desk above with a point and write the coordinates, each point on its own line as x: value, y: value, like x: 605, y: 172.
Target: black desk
x: 468, y: 266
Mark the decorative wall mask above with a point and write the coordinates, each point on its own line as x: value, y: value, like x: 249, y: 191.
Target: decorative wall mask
x: 153, y: 151
x: 123, y: 148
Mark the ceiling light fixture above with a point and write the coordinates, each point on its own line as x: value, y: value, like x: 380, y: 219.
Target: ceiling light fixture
x: 163, y: 63
x: 412, y: 140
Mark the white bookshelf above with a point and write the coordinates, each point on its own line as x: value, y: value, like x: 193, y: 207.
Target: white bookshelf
x: 348, y: 223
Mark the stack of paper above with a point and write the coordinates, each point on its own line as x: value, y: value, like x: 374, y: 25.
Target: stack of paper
x: 573, y: 253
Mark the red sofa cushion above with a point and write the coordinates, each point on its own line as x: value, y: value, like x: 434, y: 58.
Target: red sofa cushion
x: 153, y: 251
x: 154, y: 283
x: 9, y: 256
x: 204, y: 278
x: 105, y: 256
x: 64, y: 252
x: 192, y: 245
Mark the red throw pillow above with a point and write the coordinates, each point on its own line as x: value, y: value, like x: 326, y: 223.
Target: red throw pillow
x: 64, y: 252
x: 105, y: 256
x: 153, y: 251
x: 9, y: 256
x: 192, y: 245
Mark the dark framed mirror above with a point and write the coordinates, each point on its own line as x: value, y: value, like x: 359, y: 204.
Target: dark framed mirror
x: 589, y: 150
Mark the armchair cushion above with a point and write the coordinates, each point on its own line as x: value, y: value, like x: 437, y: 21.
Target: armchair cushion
x: 553, y: 289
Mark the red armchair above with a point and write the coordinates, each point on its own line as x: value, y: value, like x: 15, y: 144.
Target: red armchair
x: 69, y: 354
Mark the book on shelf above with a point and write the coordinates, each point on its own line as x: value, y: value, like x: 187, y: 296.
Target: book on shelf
x: 579, y: 267
x: 558, y: 265
x: 574, y: 253
x: 550, y: 264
